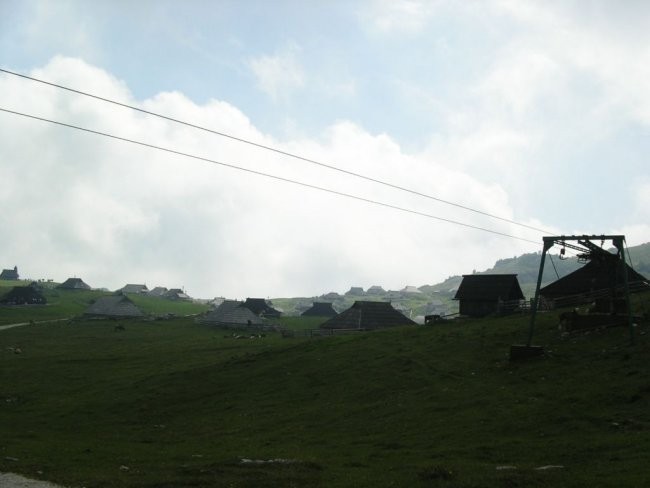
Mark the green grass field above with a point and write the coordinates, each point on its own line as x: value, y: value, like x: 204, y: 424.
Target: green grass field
x: 71, y: 303
x: 173, y: 403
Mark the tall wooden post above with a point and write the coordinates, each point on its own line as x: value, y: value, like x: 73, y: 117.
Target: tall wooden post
x: 618, y: 244
x: 548, y: 243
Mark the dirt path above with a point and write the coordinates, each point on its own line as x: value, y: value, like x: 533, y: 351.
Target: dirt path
x: 11, y: 480
x: 9, y: 326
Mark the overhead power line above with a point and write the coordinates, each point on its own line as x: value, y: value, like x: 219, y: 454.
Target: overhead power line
x: 279, y: 151
x: 267, y: 175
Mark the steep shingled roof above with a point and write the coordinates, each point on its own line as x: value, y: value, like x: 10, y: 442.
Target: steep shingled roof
x: 489, y: 287
x: 74, y: 284
x: 231, y: 312
x: 320, y: 309
x: 260, y: 307
x: 134, y: 288
x: 367, y: 315
x: 594, y: 276
x: 117, y: 306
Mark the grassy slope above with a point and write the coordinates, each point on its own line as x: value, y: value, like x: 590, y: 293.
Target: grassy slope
x: 180, y: 405
x: 70, y: 303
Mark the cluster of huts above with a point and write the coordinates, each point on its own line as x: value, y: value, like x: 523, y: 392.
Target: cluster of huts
x: 486, y: 294
x: 118, y: 305
x: 257, y: 312
x: 478, y: 295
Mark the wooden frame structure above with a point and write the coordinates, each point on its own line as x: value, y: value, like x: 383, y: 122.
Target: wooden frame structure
x: 585, y: 245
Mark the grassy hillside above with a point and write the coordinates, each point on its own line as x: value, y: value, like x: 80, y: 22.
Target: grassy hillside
x: 173, y: 403
x: 70, y: 303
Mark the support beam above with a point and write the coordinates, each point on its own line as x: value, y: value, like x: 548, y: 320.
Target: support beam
x: 548, y: 244
x: 585, y: 242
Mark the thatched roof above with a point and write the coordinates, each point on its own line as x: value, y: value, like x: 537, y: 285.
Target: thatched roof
x: 74, y: 284
x: 233, y: 313
x: 596, y: 275
x: 113, y: 306
x: 489, y: 287
x: 320, y: 309
x: 367, y: 315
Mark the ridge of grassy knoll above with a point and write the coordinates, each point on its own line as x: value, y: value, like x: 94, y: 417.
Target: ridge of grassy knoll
x: 174, y: 403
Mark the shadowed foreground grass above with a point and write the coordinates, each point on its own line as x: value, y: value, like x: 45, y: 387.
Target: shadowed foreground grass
x: 177, y: 404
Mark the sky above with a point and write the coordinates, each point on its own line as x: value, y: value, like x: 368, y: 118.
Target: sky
x: 537, y: 112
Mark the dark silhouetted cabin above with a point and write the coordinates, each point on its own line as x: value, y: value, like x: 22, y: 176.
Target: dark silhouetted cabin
x: 24, y: 295
x: 115, y: 307
x: 134, y: 289
x: 74, y: 284
x: 320, y: 309
x: 231, y: 313
x: 597, y: 277
x: 368, y: 315
x: 484, y: 294
x: 261, y: 308
x: 9, y: 274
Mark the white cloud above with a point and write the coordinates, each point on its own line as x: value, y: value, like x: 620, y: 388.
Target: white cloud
x: 280, y: 74
x: 399, y: 16
x: 113, y: 213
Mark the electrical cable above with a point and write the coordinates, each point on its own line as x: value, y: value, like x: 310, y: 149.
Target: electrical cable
x: 278, y: 151
x: 259, y: 173
x: 550, y: 256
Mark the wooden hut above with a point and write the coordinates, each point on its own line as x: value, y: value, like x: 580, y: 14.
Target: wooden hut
x: 261, y: 308
x: 113, y: 306
x: 320, y: 309
x: 484, y: 294
x: 598, y: 277
x: 74, y: 284
x: 231, y: 313
x: 24, y: 295
x: 367, y: 315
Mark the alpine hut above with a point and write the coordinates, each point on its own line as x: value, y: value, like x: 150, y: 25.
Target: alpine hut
x: 598, y: 277
x: 113, y: 306
x: 261, y: 308
x: 74, y: 284
x: 484, y: 294
x: 158, y: 291
x: 134, y: 289
x: 231, y: 313
x: 320, y: 309
x: 24, y: 295
x: 367, y: 315
x: 176, y: 294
